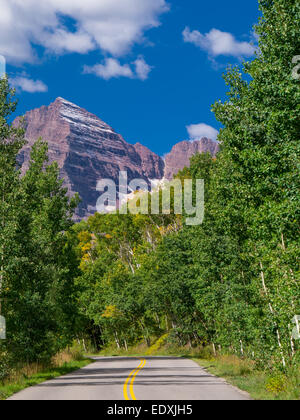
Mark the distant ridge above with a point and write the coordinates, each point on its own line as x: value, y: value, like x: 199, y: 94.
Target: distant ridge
x: 180, y: 155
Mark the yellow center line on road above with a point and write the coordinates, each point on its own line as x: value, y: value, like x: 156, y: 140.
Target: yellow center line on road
x: 131, y: 378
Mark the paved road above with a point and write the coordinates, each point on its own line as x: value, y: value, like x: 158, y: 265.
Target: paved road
x: 150, y: 378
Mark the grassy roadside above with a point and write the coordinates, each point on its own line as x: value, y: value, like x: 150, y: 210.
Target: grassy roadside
x: 31, y: 375
x: 259, y: 384
x: 242, y: 373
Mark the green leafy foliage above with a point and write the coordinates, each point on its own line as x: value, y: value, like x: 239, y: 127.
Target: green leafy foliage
x: 232, y: 282
x: 36, y: 278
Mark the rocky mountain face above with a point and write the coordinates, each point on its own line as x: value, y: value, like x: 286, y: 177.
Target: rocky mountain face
x: 180, y: 155
x: 87, y: 150
x: 152, y: 165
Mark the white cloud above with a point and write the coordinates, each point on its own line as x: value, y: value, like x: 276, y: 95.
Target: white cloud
x: 142, y: 69
x: 2, y: 66
x: 62, y: 41
x: 218, y: 43
x: 28, y: 85
x: 111, y: 26
x: 198, y: 131
x: 112, y: 68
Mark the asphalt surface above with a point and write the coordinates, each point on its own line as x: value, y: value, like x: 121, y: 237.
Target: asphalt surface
x: 149, y: 378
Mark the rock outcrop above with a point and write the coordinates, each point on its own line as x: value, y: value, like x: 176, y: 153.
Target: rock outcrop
x: 153, y: 166
x: 180, y: 155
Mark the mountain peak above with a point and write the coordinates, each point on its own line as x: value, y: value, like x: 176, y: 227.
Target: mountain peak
x: 180, y: 155
x: 65, y: 101
x: 88, y: 150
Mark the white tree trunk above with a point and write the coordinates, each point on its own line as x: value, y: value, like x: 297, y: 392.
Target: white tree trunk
x: 214, y: 349
x: 117, y: 340
x: 273, y: 313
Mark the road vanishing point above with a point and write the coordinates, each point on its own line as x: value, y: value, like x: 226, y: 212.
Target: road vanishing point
x: 133, y: 378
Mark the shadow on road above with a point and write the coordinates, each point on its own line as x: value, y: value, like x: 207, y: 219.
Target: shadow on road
x: 120, y: 358
x: 91, y: 376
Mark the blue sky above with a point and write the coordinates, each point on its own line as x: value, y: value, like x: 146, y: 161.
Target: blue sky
x: 149, y: 68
